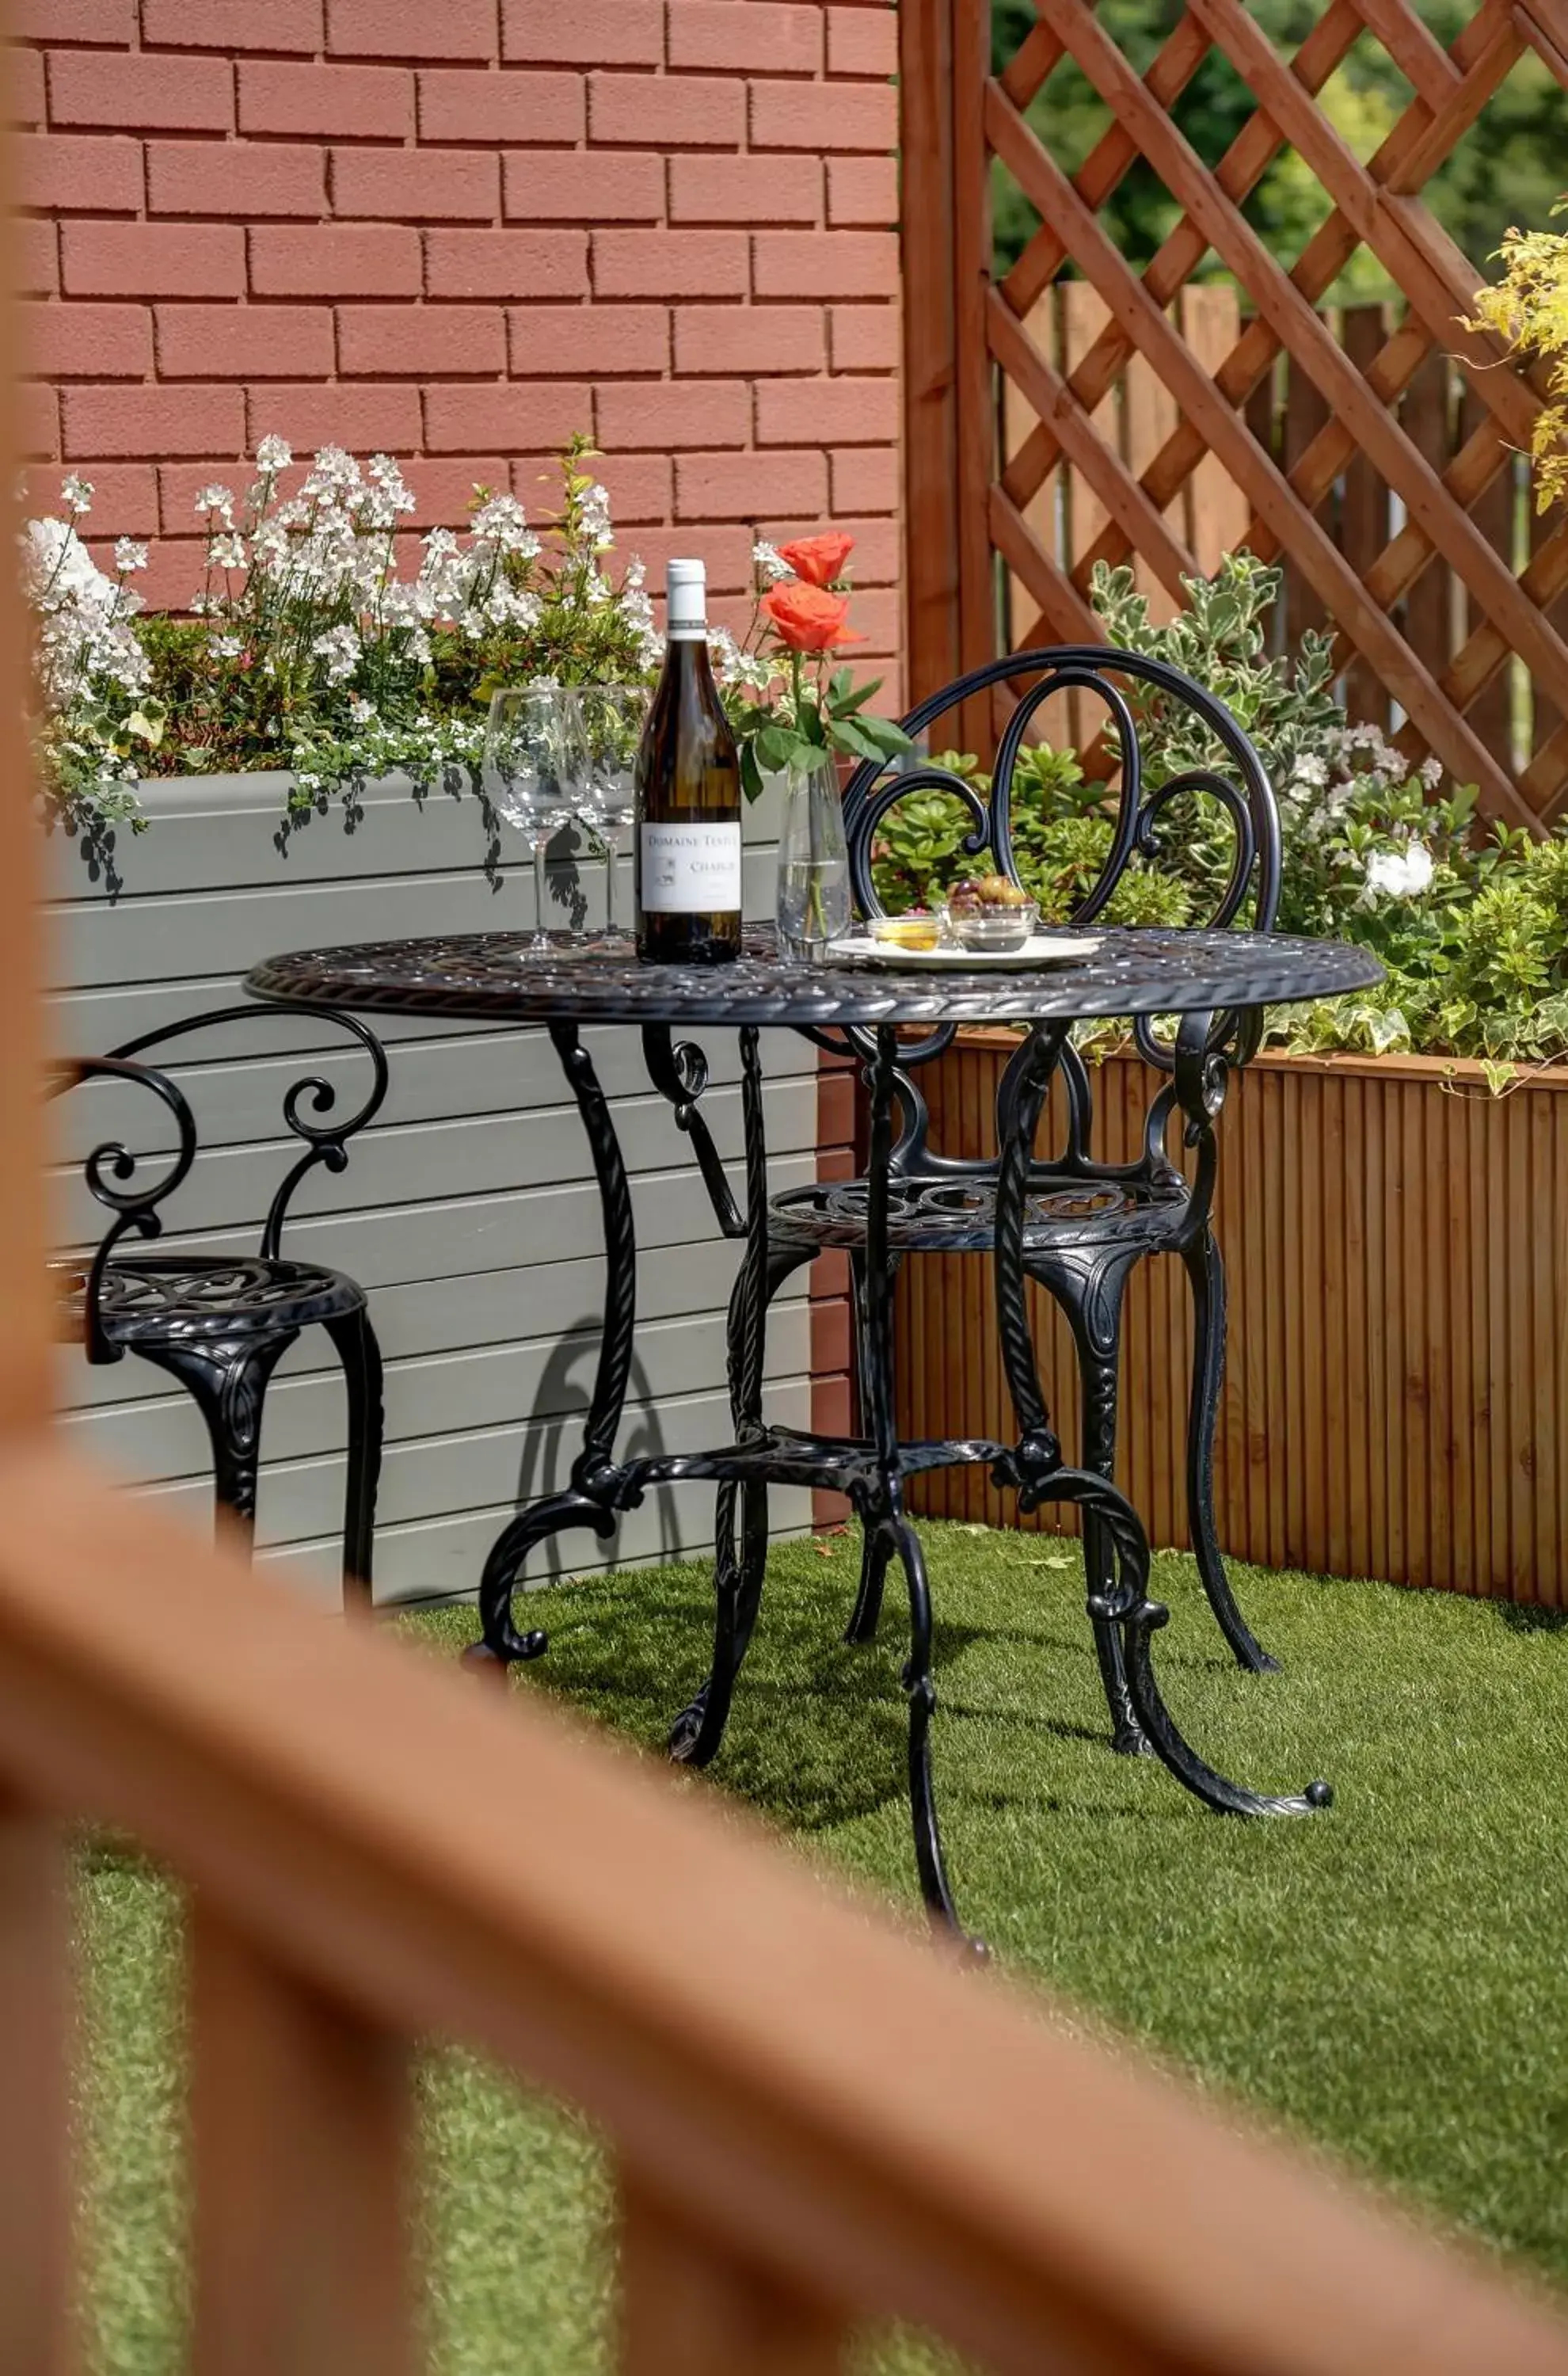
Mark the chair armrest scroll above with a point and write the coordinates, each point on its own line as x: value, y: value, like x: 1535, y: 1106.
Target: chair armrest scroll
x: 326, y: 1142
x: 111, y: 1173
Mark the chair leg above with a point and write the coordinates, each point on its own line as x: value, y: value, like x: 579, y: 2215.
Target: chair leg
x: 354, y: 1339
x: 1206, y: 1271
x: 227, y: 1384
x: 876, y: 1549
x: 866, y: 1614
x: 1092, y: 1301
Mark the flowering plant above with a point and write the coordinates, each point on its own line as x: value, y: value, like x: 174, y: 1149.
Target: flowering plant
x: 309, y: 645
x: 789, y: 707
x: 93, y: 708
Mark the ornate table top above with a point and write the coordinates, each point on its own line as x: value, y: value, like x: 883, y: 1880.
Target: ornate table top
x: 486, y: 976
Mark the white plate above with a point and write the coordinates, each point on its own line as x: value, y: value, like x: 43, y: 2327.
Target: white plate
x: 1041, y: 949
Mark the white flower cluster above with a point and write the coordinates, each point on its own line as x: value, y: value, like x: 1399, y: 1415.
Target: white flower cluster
x: 333, y: 543
x: 329, y: 543
x: 83, y: 618
x: 735, y: 666
x: 637, y: 608
x: 472, y: 589
x: 1399, y: 874
x: 1356, y: 763
x: 596, y: 517
x: 315, y: 574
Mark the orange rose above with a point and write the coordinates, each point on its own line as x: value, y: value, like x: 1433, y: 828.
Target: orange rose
x: 818, y: 559
x: 808, y: 619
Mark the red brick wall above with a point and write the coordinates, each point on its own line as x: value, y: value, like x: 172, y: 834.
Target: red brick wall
x: 457, y: 230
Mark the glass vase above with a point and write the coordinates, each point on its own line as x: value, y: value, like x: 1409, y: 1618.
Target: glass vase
x: 814, y: 904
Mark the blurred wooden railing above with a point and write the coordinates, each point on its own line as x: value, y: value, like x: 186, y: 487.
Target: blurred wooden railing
x: 815, y: 2121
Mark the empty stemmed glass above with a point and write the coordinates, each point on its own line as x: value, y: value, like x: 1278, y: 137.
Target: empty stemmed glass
x: 535, y: 773
x: 613, y: 716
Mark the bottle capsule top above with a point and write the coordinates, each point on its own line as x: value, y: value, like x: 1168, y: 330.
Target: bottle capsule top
x: 686, y: 586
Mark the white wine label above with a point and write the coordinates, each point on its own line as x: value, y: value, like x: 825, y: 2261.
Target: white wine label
x: 691, y: 870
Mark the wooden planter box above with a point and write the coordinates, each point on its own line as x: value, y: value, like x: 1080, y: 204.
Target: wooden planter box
x: 1396, y: 1244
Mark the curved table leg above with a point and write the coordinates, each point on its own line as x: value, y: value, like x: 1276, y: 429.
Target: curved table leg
x: 899, y: 1540
x: 595, y: 1493
x: 1205, y: 1272
x: 876, y: 1550
x: 1036, y: 1469
x: 739, y: 1569
x: 500, y: 1642
x: 1090, y: 1292
x: 883, y: 1518
x: 876, y: 1556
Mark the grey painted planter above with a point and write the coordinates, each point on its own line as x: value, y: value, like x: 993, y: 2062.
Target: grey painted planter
x: 466, y: 1210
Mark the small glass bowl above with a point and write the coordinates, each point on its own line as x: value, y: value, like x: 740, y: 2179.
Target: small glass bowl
x: 906, y: 932
x: 993, y: 931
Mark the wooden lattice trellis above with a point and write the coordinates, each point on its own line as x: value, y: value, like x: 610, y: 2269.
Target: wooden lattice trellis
x: 970, y: 499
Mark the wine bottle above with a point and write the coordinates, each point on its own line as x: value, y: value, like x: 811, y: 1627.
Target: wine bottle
x: 688, y: 846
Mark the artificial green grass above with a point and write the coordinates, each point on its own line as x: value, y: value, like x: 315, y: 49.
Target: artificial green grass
x: 1384, y: 1978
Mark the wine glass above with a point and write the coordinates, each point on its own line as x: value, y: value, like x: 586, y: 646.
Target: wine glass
x: 613, y: 717
x: 535, y: 769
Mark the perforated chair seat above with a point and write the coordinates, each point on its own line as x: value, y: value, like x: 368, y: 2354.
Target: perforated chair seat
x: 149, y: 1298
x: 936, y: 1214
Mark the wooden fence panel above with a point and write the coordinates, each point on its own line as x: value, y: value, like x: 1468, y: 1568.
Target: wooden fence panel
x: 1137, y: 415
x: 1398, y: 508
x: 1426, y: 416
x: 1217, y: 511
x: 1365, y: 517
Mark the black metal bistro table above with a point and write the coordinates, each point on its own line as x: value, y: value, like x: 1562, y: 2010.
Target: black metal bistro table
x: 1212, y: 985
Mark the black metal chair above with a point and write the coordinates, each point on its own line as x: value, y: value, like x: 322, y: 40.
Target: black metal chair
x: 220, y: 1323
x: 1089, y: 1223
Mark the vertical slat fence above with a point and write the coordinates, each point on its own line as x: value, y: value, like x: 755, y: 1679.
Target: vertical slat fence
x: 1395, y: 1404
x: 35, y: 1997
x: 686, y: 2305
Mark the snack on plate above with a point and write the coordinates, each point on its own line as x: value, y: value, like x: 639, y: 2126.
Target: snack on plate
x: 983, y: 892
x: 915, y: 931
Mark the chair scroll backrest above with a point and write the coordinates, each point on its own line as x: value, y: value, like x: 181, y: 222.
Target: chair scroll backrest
x: 1230, y: 773
x: 134, y: 1186
x: 1246, y: 796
